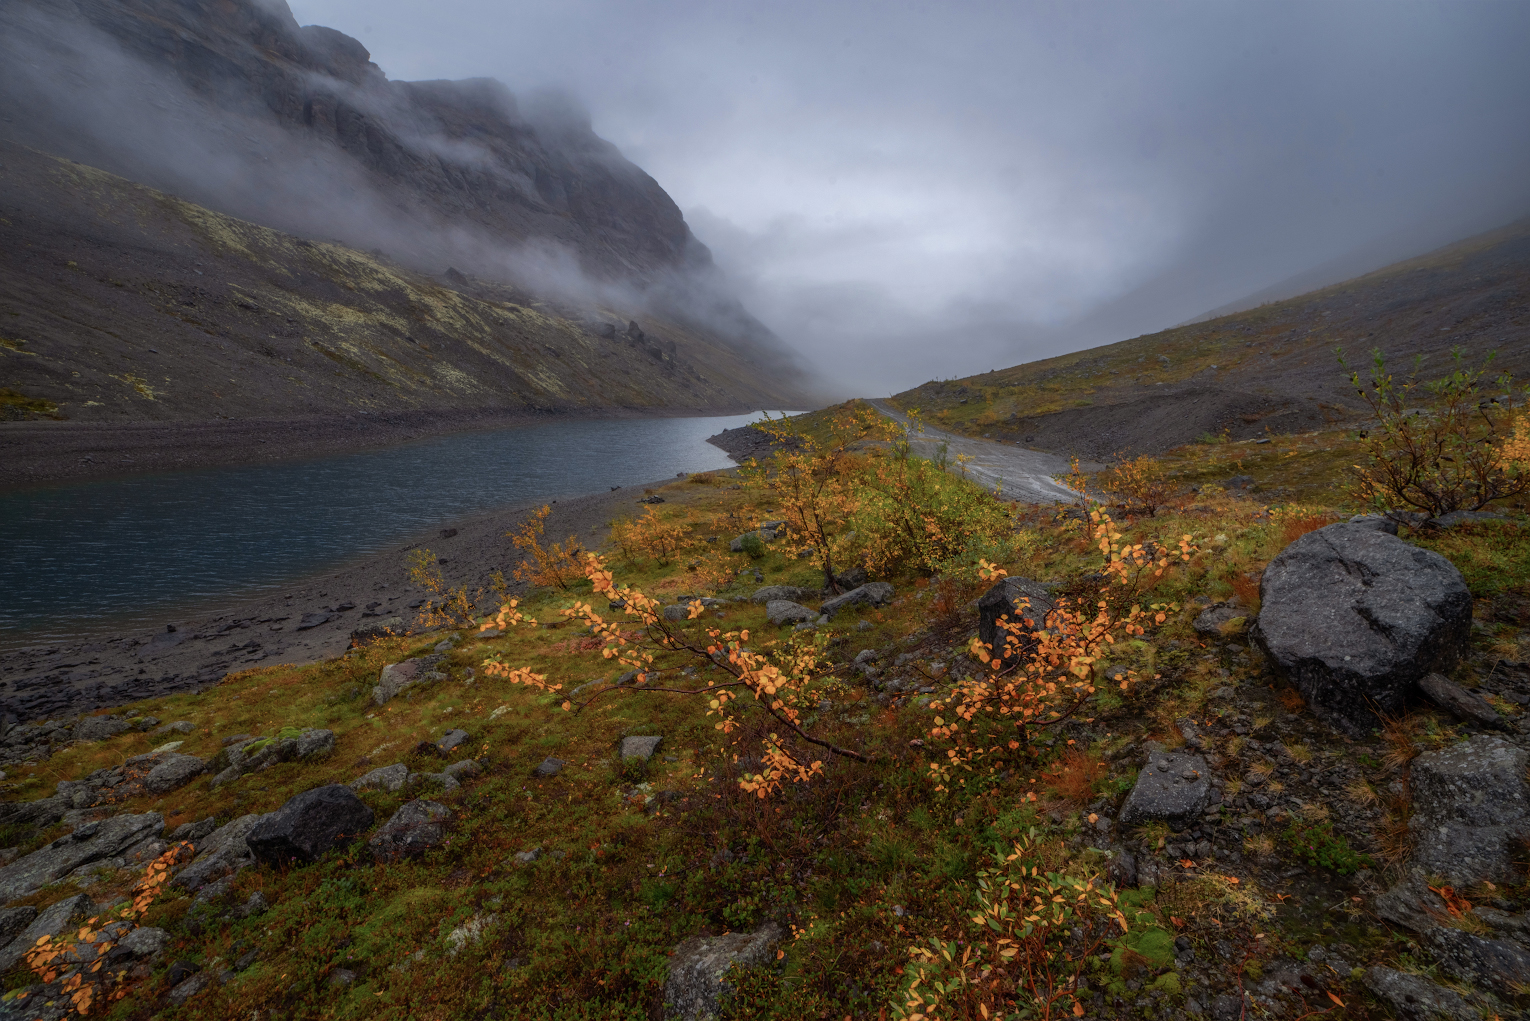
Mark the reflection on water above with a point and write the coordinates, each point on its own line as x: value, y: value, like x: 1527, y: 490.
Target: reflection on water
x: 76, y: 557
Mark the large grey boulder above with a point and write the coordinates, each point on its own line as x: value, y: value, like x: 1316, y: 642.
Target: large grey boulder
x: 1173, y: 786
x: 398, y: 677
x: 791, y: 593
x: 51, y: 921
x: 415, y: 828
x: 223, y: 851
x: 1013, y: 600
x: 873, y: 593
x: 99, y: 728
x: 309, y: 825
x: 13, y: 921
x: 1355, y: 617
x: 173, y: 772
x: 116, y: 837
x: 1470, y: 804
x: 699, y: 967
x: 1497, y: 964
x: 1415, y: 998
x: 641, y: 748
x: 784, y: 611
x: 387, y: 778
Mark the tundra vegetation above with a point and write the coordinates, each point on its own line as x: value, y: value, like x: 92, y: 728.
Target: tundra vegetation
x: 929, y: 819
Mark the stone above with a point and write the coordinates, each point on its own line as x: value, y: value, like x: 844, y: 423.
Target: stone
x: 1498, y: 964
x: 1454, y: 699
x: 783, y: 611
x: 168, y: 746
x: 527, y: 857
x: 446, y: 781
x: 850, y: 578
x: 42, y: 812
x: 1122, y: 870
x: 1455, y: 519
x: 187, y: 988
x: 548, y: 767
x: 50, y: 921
x: 113, y: 838
x: 395, y: 678
x: 1217, y: 620
x: 676, y: 613
x: 873, y: 593
x: 641, y: 748
x: 173, y: 772
x: 415, y: 828
x: 13, y: 921
x: 865, y: 656
x: 1173, y: 786
x: 223, y: 851
x: 1411, y: 904
x: 142, y: 941
x: 1354, y: 618
x: 465, y: 768
x: 790, y: 593
x: 1470, y: 805
x: 340, y: 977
x: 469, y: 933
x: 309, y: 825
x: 451, y: 741
x: 1015, y: 600
x: 314, y: 744
x: 388, y: 778
x: 99, y: 728
x: 378, y: 630
x: 1415, y: 998
x: 1379, y: 522
x: 699, y: 967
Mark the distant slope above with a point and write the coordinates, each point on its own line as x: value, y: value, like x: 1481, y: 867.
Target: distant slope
x: 119, y: 303
x: 1270, y: 368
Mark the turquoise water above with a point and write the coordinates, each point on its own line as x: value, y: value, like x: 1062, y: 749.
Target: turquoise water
x: 72, y: 556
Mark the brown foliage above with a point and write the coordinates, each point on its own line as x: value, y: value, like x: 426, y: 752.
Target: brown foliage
x: 555, y: 565
x: 1076, y: 774
x: 1294, y: 528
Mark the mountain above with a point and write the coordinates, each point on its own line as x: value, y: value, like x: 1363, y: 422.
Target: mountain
x: 1270, y: 368
x: 210, y: 212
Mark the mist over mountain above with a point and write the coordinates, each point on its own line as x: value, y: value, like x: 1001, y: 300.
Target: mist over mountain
x: 236, y: 107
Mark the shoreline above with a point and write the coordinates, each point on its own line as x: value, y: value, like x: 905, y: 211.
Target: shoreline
x: 182, y: 652
x: 41, y: 453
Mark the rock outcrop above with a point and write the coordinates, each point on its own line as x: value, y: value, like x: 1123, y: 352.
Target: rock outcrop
x: 310, y: 825
x: 699, y: 967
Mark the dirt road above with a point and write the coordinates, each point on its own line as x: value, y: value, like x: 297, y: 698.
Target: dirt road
x: 1021, y: 473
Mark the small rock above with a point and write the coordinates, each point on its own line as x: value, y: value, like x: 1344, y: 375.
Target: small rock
x: 340, y: 977
x: 1453, y: 698
x: 465, y: 768
x: 173, y: 772
x: 1122, y: 871
x: 415, y: 828
x: 527, y: 857
x: 309, y: 825
x: 188, y: 988
x: 1217, y: 620
x: 1380, y: 522
x: 641, y: 748
x: 1470, y: 805
x: 1172, y: 786
x: 388, y: 778
x: 99, y: 728
x: 313, y: 744
x: 791, y: 593
x: 874, y: 593
x: 143, y: 941
x: 699, y: 967
x: 395, y: 678
x: 1015, y: 600
x: 548, y: 767
x: 450, y: 741
x: 782, y: 611
x: 1501, y: 965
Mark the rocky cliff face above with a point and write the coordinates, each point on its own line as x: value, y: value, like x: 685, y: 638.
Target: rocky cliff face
x: 237, y: 107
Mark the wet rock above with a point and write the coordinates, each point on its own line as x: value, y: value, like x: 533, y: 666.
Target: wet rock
x: 309, y: 825
x: 641, y: 748
x: 1470, y: 804
x: 460, y: 770
x: 395, y: 678
x: 415, y: 828
x: 1466, y: 705
x: 1122, y: 870
x: 1497, y: 964
x: 699, y: 968
x: 187, y: 988
x: 1355, y: 618
x: 223, y: 851
x: 1014, y: 600
x: 13, y: 921
x: 314, y: 744
x: 784, y: 611
x: 51, y: 921
x: 42, y: 812
x: 173, y: 772
x: 1217, y: 620
x: 1379, y: 522
x: 1415, y: 998
x: 850, y: 578
x: 676, y: 613
x: 387, y: 778
x: 451, y: 741
x: 116, y: 837
x: 873, y: 593
x: 142, y: 941
x: 1411, y: 904
x: 1173, y: 786
x: 548, y: 767
x: 791, y: 593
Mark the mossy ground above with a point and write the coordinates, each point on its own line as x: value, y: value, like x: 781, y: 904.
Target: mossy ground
x: 863, y: 863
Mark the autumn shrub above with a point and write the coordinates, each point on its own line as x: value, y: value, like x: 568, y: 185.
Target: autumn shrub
x: 649, y: 537
x: 446, y: 605
x: 557, y: 564
x: 1294, y: 526
x: 1246, y: 588
x: 1076, y: 775
x: 1142, y: 481
x: 1441, y: 445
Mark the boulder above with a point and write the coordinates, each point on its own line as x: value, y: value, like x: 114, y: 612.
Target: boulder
x: 142, y: 941
x: 309, y: 825
x: 99, y: 728
x: 314, y: 744
x: 173, y: 772
x: 377, y: 630
x: 784, y: 611
x: 387, y: 778
x: 676, y: 613
x: 13, y: 922
x: 223, y: 851
x: 1411, y: 904
x: 1355, y: 617
x: 1216, y: 620
x: 1415, y: 998
x: 51, y: 921
x: 1454, y: 699
x: 1012, y: 599
x: 791, y: 593
x: 465, y: 768
x: 415, y: 828
x: 699, y: 967
x: 1497, y: 964
x: 1470, y: 805
x: 548, y: 767
x: 451, y: 741
x: 1173, y: 786
x: 195, y: 832
x: 396, y: 677
x: 116, y: 837
x: 641, y: 748
x: 873, y: 593
x: 852, y: 577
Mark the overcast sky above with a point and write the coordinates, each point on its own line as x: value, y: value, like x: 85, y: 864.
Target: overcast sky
x: 906, y: 191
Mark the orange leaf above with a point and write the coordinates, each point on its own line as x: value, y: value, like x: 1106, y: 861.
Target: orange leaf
x: 1334, y: 998
x: 1078, y: 1009
x: 1186, y: 863
x: 1179, y: 923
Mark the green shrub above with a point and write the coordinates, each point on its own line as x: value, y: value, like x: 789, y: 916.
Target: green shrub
x: 753, y: 545
x: 1318, y: 844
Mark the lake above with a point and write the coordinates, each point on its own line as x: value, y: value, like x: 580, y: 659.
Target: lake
x: 121, y: 553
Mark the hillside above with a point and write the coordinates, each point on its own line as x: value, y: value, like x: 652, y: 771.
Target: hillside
x: 1269, y: 369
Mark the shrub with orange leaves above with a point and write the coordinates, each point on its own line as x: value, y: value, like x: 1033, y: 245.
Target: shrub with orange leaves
x: 777, y: 684
x: 1141, y: 480
x: 556, y: 565
x: 649, y: 537
x: 1048, y: 668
